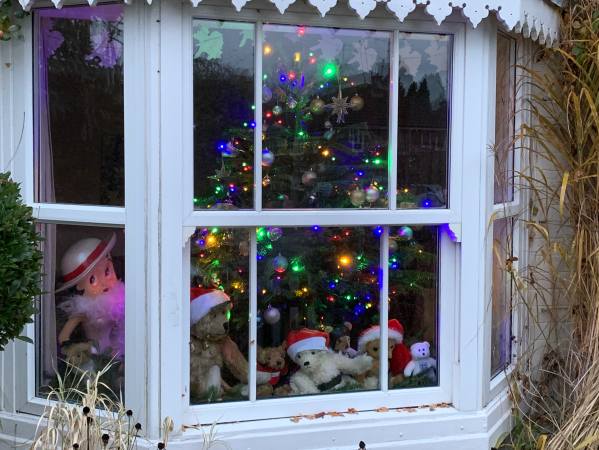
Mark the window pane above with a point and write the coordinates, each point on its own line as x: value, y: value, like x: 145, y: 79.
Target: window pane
x: 413, y: 294
x: 501, y: 334
x: 423, y: 135
x: 79, y: 140
x: 219, y: 313
x: 505, y: 114
x: 325, y: 101
x: 81, y: 323
x: 223, y: 83
x: 318, y: 288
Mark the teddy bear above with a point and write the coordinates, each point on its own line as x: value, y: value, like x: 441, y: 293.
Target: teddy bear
x: 401, y: 353
x: 320, y: 369
x: 211, y: 348
x: 341, y: 340
x: 80, y: 355
x: 270, y: 368
x: 421, y: 362
x: 369, y: 343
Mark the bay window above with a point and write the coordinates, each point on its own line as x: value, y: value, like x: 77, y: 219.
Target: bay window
x: 226, y: 195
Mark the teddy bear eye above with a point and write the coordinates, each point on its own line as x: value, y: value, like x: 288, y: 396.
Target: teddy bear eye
x: 376, y: 349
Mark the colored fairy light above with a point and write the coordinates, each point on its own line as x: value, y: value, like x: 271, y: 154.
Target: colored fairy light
x: 264, y: 77
x: 301, y: 30
x: 315, y: 228
x: 253, y: 107
x: 360, y: 173
x: 297, y: 266
x: 326, y: 152
x: 291, y: 75
x: 329, y: 70
x: 297, y: 57
x: 268, y: 114
x: 427, y: 203
x: 345, y: 260
x: 252, y: 124
x: 301, y: 133
x: 261, y: 233
x: 214, y: 230
x: 377, y: 161
x: 196, y: 200
x: 228, y: 314
x: 245, y: 124
x: 282, y: 78
x: 312, y: 60
x: 332, y: 285
x: 378, y: 231
x: 331, y: 299
x: 267, y: 49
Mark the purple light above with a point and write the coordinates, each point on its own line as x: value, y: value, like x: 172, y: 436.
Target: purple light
x: 252, y: 124
x: 282, y: 78
x: 332, y: 285
x: 260, y: 257
x: 426, y: 203
x: 360, y: 173
x: 394, y: 266
x: 316, y: 228
x: 378, y: 231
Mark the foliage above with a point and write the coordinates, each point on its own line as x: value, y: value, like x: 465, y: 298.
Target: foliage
x: 10, y: 19
x: 557, y: 395
x: 88, y: 418
x: 20, y: 262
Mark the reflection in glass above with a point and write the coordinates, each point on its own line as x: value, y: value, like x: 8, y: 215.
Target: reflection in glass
x: 325, y: 117
x: 81, y: 323
x: 423, y: 135
x: 318, y: 289
x: 413, y: 294
x: 223, y: 82
x: 219, y: 312
x: 79, y: 128
x: 505, y: 115
x: 501, y: 331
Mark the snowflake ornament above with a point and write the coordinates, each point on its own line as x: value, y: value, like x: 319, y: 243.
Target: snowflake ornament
x: 339, y: 106
x: 363, y: 56
x: 208, y: 43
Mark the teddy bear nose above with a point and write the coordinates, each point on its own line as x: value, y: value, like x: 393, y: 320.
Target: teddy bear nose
x: 307, y: 363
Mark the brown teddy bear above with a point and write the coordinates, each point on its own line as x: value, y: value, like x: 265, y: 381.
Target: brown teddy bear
x: 369, y: 343
x: 270, y: 369
x: 211, y: 347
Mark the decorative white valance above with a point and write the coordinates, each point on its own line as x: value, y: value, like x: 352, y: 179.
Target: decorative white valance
x: 535, y: 19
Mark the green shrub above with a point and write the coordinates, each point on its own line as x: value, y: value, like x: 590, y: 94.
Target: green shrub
x: 20, y: 262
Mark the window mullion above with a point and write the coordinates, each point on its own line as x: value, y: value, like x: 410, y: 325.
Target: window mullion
x: 384, y: 311
x: 393, y: 117
x: 258, y: 118
x: 253, y: 314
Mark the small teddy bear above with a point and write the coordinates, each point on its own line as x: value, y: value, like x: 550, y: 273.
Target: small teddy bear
x: 369, y: 343
x: 421, y: 363
x: 80, y: 355
x: 341, y: 340
x: 320, y: 369
x: 271, y: 367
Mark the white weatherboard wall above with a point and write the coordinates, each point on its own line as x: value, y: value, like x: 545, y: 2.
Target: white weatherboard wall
x: 473, y: 421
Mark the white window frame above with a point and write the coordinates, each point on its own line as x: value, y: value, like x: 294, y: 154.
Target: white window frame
x: 159, y: 219
x: 516, y: 210
x: 140, y: 140
x: 183, y: 220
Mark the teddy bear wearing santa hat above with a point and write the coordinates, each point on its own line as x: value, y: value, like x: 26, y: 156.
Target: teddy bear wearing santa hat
x: 369, y: 342
x: 98, y: 306
x: 320, y: 369
x: 211, y: 347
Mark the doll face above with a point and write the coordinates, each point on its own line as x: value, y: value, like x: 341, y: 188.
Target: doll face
x: 99, y: 280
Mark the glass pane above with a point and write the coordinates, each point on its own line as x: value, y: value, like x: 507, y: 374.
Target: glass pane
x: 505, y: 114
x: 219, y: 314
x: 318, y: 297
x: 325, y: 101
x: 423, y: 135
x: 79, y: 134
x: 501, y: 334
x: 223, y: 106
x: 81, y: 323
x: 413, y: 303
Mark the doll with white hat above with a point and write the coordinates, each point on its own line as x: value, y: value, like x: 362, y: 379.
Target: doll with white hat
x: 98, y: 306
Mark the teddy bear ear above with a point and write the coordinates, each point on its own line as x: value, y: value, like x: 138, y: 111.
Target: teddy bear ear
x: 427, y: 345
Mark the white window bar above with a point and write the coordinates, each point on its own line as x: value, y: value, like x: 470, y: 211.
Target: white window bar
x: 384, y: 311
x: 393, y: 128
x: 258, y: 117
x: 253, y: 314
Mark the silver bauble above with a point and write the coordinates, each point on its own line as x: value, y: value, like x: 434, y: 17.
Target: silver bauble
x: 272, y: 315
x: 372, y: 194
x: 357, y: 197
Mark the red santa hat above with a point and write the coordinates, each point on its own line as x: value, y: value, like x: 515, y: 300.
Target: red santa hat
x: 373, y: 333
x: 203, y: 300
x: 306, y: 339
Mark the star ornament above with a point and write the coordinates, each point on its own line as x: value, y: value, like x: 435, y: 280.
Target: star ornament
x: 340, y: 107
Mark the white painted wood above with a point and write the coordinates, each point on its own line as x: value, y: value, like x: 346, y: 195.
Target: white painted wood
x: 253, y: 318
x: 393, y: 123
x: 384, y: 312
x: 78, y: 214
x: 258, y: 49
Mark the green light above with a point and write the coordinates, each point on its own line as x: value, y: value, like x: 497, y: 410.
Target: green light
x: 245, y: 124
x: 253, y: 107
x: 297, y: 266
x: 348, y: 297
x: 377, y: 161
x: 264, y: 77
x: 366, y: 160
x: 261, y: 233
x: 229, y: 314
x: 268, y: 246
x: 216, y: 262
x: 329, y: 70
x: 196, y: 200
x: 214, y: 230
x: 218, y: 189
x: 302, y: 133
x: 322, y: 86
x: 333, y: 159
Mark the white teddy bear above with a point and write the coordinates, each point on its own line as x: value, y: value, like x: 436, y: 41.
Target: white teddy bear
x: 320, y: 369
x: 421, y: 361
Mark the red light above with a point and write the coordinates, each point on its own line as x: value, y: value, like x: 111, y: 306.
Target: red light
x: 268, y: 115
x: 291, y: 75
x: 301, y: 31
x: 313, y: 60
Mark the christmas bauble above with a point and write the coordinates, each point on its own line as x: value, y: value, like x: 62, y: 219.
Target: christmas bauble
x: 328, y: 135
x: 291, y: 102
x: 280, y: 263
x: 274, y: 233
x: 266, y: 181
x: 393, y: 245
x: 277, y: 110
x: 266, y: 94
x: 317, y: 106
x: 268, y: 158
x: 357, y: 197
x: 356, y: 103
x: 328, y: 124
x: 272, y: 315
x: 372, y: 194
x: 309, y: 177
x: 405, y: 233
